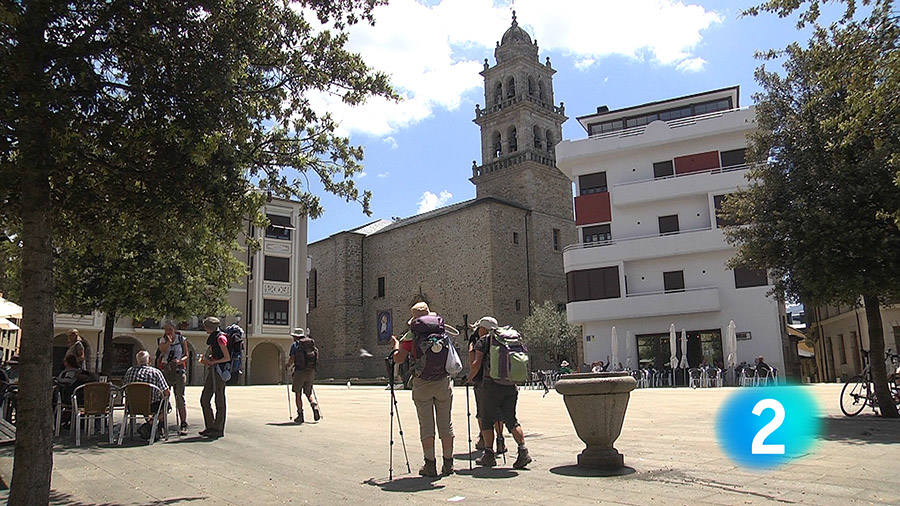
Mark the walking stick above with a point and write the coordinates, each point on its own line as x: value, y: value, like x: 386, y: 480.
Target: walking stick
x: 290, y: 413
x: 469, y: 425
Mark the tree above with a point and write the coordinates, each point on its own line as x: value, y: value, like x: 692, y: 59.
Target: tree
x: 819, y: 212
x: 160, y: 118
x: 551, y: 339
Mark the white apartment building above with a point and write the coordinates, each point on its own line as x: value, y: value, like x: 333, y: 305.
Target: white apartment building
x: 268, y: 303
x: 651, y: 250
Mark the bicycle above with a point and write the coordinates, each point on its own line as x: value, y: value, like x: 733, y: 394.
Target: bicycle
x: 859, y: 391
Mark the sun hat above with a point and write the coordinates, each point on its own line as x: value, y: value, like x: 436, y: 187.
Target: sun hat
x: 298, y: 332
x: 488, y: 322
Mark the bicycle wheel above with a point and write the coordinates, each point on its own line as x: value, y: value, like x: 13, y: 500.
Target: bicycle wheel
x: 854, y: 396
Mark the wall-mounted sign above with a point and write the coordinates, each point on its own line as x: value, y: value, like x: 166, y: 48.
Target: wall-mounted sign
x: 385, y: 325
x: 742, y: 336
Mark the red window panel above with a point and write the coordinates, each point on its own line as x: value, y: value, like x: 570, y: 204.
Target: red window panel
x: 697, y: 162
x: 592, y: 208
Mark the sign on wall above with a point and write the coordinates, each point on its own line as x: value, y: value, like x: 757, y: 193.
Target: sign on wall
x: 385, y: 325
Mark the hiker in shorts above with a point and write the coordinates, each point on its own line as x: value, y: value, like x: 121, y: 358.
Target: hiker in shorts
x: 499, y: 401
x: 171, y: 358
x: 304, y: 357
x: 432, y: 390
x: 490, y: 324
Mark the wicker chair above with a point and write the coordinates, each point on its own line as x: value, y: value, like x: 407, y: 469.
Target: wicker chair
x: 98, y: 405
x: 138, y: 402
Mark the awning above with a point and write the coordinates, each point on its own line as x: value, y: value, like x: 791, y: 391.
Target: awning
x: 7, y: 325
x: 10, y: 309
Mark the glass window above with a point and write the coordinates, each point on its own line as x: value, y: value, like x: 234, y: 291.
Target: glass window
x: 663, y: 169
x: 555, y: 239
x: 596, y: 233
x: 734, y: 157
x: 279, y: 227
x: 515, y: 238
x: 381, y: 287
x: 275, y: 312
x: 718, y: 201
x: 593, y: 284
x: 678, y: 113
x: 668, y: 224
x: 592, y: 183
x: 673, y: 281
x: 744, y: 278
x: 277, y: 269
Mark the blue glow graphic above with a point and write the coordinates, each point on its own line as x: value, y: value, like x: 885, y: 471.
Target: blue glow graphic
x: 764, y: 440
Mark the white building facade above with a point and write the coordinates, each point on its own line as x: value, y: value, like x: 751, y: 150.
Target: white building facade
x: 651, y: 250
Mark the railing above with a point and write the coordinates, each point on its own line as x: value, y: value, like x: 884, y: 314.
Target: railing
x: 594, y: 244
x: 720, y: 170
x: 479, y: 112
x: 513, y: 159
x: 675, y: 123
x: 663, y: 292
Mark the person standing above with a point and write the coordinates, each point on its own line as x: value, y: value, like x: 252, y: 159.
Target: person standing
x: 304, y: 357
x: 478, y: 387
x: 216, y: 353
x: 75, y: 347
x: 172, y: 357
x: 432, y: 390
x: 499, y: 403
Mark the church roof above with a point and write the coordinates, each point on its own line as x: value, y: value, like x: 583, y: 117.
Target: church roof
x: 447, y: 210
x: 515, y: 34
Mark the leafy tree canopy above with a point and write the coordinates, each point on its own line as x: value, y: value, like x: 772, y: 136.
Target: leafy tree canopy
x: 550, y: 337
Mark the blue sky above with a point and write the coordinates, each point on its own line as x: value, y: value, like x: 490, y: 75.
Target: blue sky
x: 418, y: 153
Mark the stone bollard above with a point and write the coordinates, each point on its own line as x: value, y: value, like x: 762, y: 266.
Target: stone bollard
x: 597, y: 404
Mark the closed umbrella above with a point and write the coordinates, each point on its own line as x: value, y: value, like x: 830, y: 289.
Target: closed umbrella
x: 731, y: 339
x: 629, y: 339
x: 684, y: 359
x: 673, y: 347
x: 615, y: 349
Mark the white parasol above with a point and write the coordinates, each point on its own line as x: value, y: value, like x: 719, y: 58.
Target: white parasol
x: 731, y: 345
x: 10, y: 309
x: 684, y: 360
x: 615, y: 349
x: 673, y: 347
x: 7, y: 325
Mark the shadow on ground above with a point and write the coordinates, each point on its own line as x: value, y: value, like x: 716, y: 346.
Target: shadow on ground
x: 492, y: 473
x: 285, y: 424
x: 61, y: 498
x: 405, y: 484
x: 581, y: 472
x: 861, y: 429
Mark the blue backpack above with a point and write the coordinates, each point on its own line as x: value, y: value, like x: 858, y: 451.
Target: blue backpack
x: 235, y: 335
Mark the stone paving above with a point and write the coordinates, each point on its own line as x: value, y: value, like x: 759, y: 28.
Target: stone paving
x: 668, y: 442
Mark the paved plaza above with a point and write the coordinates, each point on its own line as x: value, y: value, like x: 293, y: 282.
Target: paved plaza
x: 668, y: 442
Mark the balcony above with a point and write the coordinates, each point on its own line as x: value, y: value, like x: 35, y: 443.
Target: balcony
x: 479, y: 112
x: 677, y: 186
x: 644, y: 305
x: 519, y: 156
x: 597, y: 254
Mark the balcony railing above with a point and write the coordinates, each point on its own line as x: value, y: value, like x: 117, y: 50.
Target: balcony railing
x: 720, y: 170
x: 663, y: 292
x: 479, y: 112
x: 520, y: 156
x: 675, y: 123
x: 594, y: 244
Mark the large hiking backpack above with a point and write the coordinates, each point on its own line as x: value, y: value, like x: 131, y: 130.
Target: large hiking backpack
x: 508, y: 357
x: 307, y: 355
x: 235, y: 335
x: 430, y: 348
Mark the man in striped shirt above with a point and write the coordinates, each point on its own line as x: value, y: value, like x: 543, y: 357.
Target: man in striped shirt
x: 144, y: 373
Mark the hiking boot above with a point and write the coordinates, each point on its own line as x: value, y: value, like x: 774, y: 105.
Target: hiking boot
x: 447, y: 468
x: 480, y: 444
x: 429, y: 469
x: 299, y: 418
x: 316, y: 415
x: 182, y: 431
x: 523, y: 459
x: 501, y: 446
x: 488, y: 459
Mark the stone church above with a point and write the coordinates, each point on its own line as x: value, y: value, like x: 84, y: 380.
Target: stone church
x: 491, y: 255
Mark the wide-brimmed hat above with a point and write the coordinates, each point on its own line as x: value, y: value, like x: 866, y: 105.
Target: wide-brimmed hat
x: 298, y: 332
x: 564, y: 364
x: 488, y: 322
x: 419, y: 309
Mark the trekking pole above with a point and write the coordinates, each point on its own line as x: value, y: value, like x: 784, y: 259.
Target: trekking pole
x: 469, y: 424
x: 290, y: 413
x: 399, y: 426
x: 391, y: 459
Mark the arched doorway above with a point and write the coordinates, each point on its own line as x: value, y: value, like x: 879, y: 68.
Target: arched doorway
x: 61, y: 345
x: 265, y: 364
x: 123, y: 350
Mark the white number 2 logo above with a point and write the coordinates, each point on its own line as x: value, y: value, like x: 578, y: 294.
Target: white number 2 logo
x: 758, y: 447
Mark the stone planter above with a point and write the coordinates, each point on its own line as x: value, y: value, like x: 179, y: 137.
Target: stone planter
x: 597, y: 404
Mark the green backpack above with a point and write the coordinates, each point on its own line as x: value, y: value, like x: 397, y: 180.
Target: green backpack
x: 508, y: 357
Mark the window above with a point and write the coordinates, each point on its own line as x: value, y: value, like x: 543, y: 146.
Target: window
x: 745, y: 278
x: 275, y: 312
x: 733, y: 157
x: 277, y: 269
x: 498, y: 145
x: 592, y: 183
x: 511, y: 87
x: 518, y: 305
x: 718, y: 200
x: 673, y: 281
x: 313, y: 289
x: 536, y: 134
x: 549, y: 139
x: 841, y: 349
x: 555, y: 239
x: 279, y: 227
x: 670, y: 114
x: 668, y: 224
x: 515, y: 238
x: 381, y: 287
x: 513, y: 141
x: 713, y: 106
x: 663, y: 169
x: 596, y: 234
x: 664, y: 115
x: 743, y: 336
x: 593, y: 284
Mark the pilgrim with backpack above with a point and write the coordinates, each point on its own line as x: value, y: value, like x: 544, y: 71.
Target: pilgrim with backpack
x: 304, y: 356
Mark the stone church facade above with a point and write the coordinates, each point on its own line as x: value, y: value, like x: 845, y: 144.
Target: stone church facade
x: 491, y: 255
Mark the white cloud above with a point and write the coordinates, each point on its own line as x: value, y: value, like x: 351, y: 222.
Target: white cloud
x: 420, y: 47
x: 391, y: 141
x: 430, y: 201
x: 691, y: 65
x: 362, y: 175
x: 383, y: 175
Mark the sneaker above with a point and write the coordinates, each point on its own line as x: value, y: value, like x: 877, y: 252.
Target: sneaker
x: 429, y: 469
x: 480, y: 444
x: 316, y: 414
x: 488, y: 459
x: 182, y: 431
x: 523, y: 459
x: 298, y: 418
x: 447, y: 468
x: 501, y: 446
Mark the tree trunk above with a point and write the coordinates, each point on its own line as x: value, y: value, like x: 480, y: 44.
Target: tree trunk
x: 33, y: 462
x: 876, y: 357
x: 108, y: 325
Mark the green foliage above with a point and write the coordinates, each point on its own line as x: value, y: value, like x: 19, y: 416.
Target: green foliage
x: 550, y: 338
x: 809, y: 15
x: 821, y: 211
